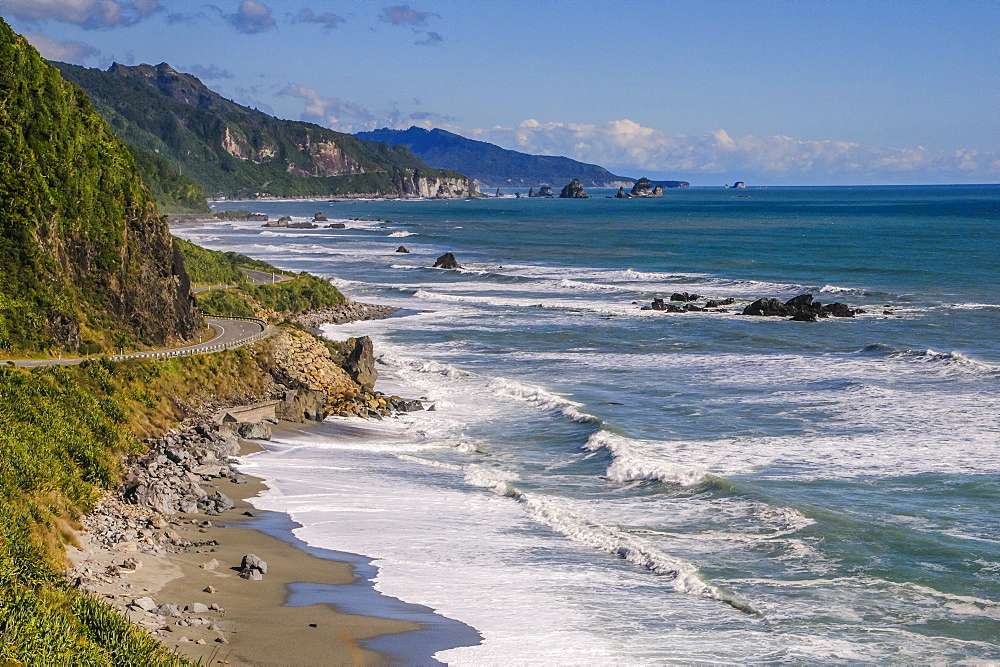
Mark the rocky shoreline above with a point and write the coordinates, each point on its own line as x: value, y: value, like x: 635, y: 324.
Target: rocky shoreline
x: 164, y: 516
x: 349, y: 311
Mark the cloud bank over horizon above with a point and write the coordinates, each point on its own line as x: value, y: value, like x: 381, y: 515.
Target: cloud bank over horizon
x: 627, y: 147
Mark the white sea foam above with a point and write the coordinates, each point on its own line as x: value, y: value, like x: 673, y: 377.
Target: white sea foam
x: 401, y: 234
x: 633, y: 460
x: 539, y: 397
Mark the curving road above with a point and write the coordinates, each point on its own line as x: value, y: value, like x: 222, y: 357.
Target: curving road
x: 228, y: 334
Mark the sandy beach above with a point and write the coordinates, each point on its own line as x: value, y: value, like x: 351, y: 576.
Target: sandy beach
x: 288, y: 617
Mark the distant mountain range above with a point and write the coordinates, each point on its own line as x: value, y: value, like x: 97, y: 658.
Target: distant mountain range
x: 171, y: 119
x: 492, y: 165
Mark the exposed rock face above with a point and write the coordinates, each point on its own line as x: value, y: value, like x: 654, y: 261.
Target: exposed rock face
x: 644, y: 188
x: 328, y: 159
x: 360, y: 363
x: 801, y: 309
x: 545, y: 191
x: 85, y: 250
x: 446, y: 261
x: 436, y: 184
x: 574, y: 190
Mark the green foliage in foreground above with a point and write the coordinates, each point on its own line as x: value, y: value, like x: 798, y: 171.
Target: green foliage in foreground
x: 60, y: 431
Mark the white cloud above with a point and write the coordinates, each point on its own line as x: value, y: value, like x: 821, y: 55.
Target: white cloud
x: 88, y: 14
x: 630, y: 148
x: 331, y: 112
x: 251, y: 17
x: 68, y: 51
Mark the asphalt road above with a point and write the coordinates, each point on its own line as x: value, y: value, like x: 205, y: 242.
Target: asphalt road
x: 256, y: 278
x: 227, y: 332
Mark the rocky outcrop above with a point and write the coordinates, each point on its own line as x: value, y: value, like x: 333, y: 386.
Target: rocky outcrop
x: 320, y: 217
x: 436, y: 184
x: 446, y: 261
x: 360, y: 363
x: 573, y: 190
x: 402, y: 249
x: 621, y: 194
x: 349, y: 311
x: 801, y: 309
x: 644, y: 188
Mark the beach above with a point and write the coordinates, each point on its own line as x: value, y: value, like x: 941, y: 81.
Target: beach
x: 255, y: 623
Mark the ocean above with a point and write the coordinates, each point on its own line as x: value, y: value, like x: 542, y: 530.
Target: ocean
x: 601, y: 484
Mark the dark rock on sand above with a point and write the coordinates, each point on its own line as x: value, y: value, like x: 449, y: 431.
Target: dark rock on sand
x: 447, y: 261
x: 252, y: 567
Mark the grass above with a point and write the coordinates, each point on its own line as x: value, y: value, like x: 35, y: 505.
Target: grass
x: 63, y: 430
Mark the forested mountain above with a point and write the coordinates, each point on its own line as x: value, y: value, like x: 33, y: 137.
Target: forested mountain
x: 235, y: 151
x: 492, y: 165
x: 85, y: 259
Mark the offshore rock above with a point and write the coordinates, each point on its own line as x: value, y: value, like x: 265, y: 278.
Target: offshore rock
x: 644, y: 188
x: 621, y: 194
x: 402, y: 248
x: 801, y: 308
x: 446, y: 261
x: 573, y: 190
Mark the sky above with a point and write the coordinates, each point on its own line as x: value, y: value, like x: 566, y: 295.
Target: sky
x: 774, y: 92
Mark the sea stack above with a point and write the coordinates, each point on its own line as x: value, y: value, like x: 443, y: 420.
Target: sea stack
x: 574, y: 190
x: 447, y: 261
x: 644, y: 188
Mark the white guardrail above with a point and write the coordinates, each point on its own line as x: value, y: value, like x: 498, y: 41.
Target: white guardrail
x: 264, y: 332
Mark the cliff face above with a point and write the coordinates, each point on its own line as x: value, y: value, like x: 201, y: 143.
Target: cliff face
x: 235, y: 151
x: 87, y: 262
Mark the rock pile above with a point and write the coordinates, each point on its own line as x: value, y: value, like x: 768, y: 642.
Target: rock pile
x: 349, y: 311
x: 168, y: 477
x: 800, y: 309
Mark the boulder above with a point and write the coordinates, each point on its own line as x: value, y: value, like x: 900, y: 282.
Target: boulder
x: 144, y: 603
x: 336, y: 225
x: 319, y: 217
x: 402, y: 248
x: 360, y: 363
x: 573, y: 190
x: 684, y: 297
x: 253, y: 431
x: 253, y: 567
x: 446, y: 261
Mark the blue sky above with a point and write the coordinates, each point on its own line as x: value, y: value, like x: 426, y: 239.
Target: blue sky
x: 711, y: 91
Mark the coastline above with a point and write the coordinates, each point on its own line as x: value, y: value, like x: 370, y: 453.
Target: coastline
x: 313, y: 605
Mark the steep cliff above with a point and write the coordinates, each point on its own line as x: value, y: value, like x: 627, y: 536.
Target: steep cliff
x: 87, y: 262
x: 235, y: 151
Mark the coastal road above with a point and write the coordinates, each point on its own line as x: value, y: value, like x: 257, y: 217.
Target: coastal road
x: 229, y: 333
x: 255, y: 277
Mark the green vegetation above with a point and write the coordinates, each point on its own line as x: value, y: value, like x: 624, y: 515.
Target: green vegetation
x: 238, y: 152
x: 306, y: 292
x: 489, y: 163
x: 62, y: 430
x: 225, y: 302
x: 173, y: 192
x: 86, y: 258
x: 211, y: 267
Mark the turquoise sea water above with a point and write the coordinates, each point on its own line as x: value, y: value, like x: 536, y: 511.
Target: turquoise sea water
x: 601, y: 484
